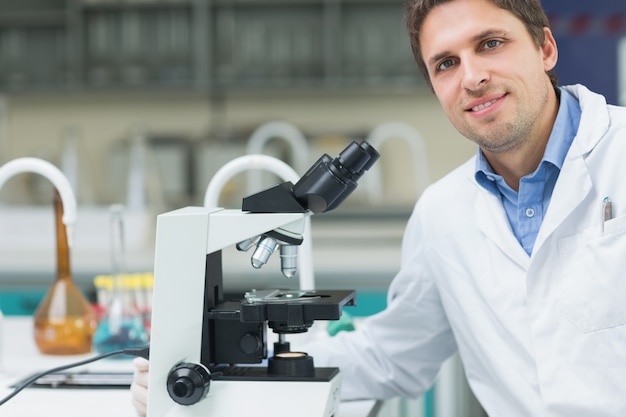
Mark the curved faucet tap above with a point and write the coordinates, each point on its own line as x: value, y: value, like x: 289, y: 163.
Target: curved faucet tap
x: 414, y: 140
x: 58, y: 179
x: 280, y: 168
x: 283, y: 130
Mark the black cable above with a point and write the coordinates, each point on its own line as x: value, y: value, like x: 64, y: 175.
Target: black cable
x: 142, y: 352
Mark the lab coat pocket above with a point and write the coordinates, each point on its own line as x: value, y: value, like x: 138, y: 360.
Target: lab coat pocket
x: 594, y: 296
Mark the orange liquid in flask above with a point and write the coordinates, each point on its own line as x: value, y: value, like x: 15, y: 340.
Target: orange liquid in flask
x: 64, y: 320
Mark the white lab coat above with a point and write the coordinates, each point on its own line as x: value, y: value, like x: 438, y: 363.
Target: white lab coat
x: 543, y: 335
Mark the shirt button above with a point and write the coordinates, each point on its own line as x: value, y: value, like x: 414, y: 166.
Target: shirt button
x: 530, y: 212
x: 490, y: 178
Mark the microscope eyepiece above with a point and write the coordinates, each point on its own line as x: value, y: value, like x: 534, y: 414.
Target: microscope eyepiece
x: 356, y: 159
x: 329, y: 181
x: 322, y: 188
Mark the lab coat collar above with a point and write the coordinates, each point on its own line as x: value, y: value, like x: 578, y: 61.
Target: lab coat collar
x: 594, y: 119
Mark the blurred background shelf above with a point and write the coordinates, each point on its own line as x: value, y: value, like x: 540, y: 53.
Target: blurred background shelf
x: 202, y: 44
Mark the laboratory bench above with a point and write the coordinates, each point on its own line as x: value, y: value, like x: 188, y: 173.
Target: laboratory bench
x: 20, y: 359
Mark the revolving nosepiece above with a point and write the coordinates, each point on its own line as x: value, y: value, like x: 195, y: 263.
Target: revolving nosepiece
x: 288, y: 255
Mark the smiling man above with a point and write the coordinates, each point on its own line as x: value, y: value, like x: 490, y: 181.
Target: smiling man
x: 516, y: 259
x: 490, y: 77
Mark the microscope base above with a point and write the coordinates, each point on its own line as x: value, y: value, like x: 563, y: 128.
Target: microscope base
x: 235, y: 398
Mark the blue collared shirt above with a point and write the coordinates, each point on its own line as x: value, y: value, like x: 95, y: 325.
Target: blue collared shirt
x: 526, y: 208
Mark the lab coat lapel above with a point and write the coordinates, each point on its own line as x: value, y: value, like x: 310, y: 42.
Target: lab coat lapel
x: 574, y: 183
x: 572, y: 187
x: 492, y: 221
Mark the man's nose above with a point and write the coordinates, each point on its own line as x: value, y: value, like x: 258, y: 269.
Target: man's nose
x: 475, y: 73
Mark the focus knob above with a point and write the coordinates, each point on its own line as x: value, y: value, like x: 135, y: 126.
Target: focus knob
x: 188, y: 383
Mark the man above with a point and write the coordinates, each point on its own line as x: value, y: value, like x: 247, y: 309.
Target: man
x: 514, y: 259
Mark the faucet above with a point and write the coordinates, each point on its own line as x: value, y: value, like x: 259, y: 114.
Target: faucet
x: 277, y: 129
x: 280, y: 168
x: 412, y: 137
x: 58, y: 179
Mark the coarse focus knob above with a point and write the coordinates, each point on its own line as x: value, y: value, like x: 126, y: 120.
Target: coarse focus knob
x: 188, y: 383
x: 250, y: 343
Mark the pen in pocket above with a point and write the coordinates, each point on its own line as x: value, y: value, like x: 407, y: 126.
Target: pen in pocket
x: 607, y: 210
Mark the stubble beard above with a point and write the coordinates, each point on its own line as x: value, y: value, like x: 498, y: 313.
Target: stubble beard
x: 501, y: 138
x: 496, y: 136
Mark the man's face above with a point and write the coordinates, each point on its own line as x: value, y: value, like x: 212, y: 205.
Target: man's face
x: 488, y: 74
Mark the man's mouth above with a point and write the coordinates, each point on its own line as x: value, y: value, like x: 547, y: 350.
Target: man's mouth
x: 483, y: 106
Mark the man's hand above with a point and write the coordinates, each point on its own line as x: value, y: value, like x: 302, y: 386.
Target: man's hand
x: 139, y: 386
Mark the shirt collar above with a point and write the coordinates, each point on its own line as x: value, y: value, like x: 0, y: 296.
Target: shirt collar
x: 559, y: 142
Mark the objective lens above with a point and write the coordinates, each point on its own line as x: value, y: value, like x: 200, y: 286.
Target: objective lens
x: 288, y: 260
x: 263, y: 251
x: 244, y: 245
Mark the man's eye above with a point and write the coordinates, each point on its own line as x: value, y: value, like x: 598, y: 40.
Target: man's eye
x: 492, y: 44
x: 445, y: 65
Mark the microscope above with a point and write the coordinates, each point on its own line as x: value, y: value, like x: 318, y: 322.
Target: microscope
x: 207, y: 353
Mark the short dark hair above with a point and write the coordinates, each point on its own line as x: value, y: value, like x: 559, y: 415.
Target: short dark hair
x: 529, y: 12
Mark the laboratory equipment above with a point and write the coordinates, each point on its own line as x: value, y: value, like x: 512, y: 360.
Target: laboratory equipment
x: 198, y: 338
x: 63, y: 290
x: 64, y: 321
x: 121, y: 325
x: 140, y: 283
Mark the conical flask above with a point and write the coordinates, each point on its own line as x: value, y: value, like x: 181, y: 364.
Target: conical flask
x: 121, y: 326
x: 64, y: 320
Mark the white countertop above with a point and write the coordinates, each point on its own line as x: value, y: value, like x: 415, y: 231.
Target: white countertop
x: 20, y: 358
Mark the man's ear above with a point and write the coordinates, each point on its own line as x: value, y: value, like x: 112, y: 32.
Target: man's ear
x: 550, y: 50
